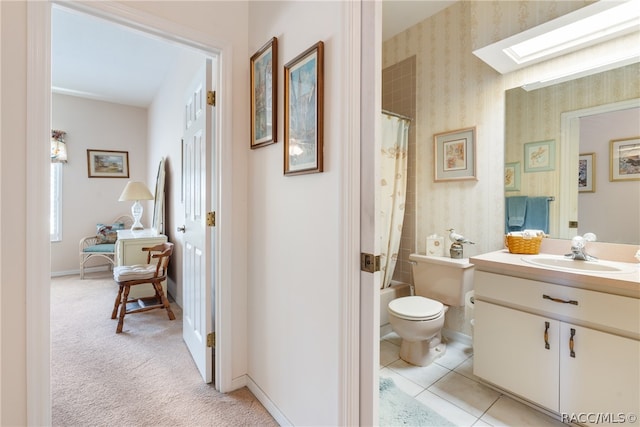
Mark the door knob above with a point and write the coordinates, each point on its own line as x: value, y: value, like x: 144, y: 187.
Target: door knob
x: 182, y: 229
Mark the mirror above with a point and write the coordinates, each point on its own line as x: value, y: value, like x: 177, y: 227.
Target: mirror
x: 556, y: 115
x: 158, y: 205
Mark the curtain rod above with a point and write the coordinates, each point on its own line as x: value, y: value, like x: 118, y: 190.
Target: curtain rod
x: 397, y: 115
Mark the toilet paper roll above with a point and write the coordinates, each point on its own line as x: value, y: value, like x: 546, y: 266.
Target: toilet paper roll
x: 468, y: 305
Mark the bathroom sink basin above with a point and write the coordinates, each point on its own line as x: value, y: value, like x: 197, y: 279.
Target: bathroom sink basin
x: 568, y: 264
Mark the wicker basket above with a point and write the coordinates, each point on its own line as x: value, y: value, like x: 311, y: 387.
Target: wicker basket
x: 520, y: 245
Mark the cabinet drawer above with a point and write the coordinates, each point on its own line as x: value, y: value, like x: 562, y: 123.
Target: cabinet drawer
x: 612, y: 312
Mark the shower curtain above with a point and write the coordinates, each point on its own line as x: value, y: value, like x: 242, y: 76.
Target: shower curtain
x: 393, y: 184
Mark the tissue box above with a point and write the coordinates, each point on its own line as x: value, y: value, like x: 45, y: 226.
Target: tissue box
x: 435, y: 245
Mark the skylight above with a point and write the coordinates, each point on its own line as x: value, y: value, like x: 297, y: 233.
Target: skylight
x: 590, y: 25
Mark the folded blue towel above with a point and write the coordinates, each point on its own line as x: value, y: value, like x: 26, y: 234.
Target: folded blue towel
x: 537, y: 217
x: 516, y: 210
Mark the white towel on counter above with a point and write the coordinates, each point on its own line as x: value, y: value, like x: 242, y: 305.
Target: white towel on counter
x: 527, y: 234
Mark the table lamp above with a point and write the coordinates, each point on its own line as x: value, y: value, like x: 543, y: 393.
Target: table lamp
x: 137, y: 191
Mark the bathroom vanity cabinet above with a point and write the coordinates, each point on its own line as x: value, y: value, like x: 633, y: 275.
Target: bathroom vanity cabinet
x: 573, y: 351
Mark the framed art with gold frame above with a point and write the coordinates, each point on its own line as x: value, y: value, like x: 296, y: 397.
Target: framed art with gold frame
x: 455, y: 155
x: 624, y: 158
x: 264, y: 95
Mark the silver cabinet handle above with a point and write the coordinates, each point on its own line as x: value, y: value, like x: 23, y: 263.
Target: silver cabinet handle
x: 182, y: 229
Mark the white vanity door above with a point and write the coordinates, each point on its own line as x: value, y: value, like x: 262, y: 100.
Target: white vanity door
x: 510, y: 351
x: 602, y: 378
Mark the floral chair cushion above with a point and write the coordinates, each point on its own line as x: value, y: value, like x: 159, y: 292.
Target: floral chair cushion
x: 108, y: 233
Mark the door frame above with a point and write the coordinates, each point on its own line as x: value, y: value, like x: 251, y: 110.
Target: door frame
x: 370, y: 97
x: 38, y: 130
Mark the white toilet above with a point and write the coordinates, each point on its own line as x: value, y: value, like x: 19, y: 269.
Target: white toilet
x: 439, y: 283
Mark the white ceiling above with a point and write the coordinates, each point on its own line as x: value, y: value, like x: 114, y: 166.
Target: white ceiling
x: 398, y: 15
x: 96, y: 59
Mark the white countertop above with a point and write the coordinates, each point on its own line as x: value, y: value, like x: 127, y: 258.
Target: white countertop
x: 504, y: 262
x: 137, y: 234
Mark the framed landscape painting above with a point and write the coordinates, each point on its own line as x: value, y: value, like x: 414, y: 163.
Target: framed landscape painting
x: 624, y: 155
x: 264, y: 90
x: 303, y: 112
x: 108, y: 164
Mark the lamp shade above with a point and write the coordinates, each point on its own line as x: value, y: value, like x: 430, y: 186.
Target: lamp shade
x: 135, y: 190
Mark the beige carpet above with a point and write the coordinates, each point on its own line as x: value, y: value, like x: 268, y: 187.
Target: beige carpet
x: 142, y: 377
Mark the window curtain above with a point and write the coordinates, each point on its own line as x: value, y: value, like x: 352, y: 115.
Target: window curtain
x: 58, y: 147
x: 393, y: 182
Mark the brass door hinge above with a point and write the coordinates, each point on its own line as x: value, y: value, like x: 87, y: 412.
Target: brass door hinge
x: 211, y: 98
x: 211, y: 339
x: 211, y: 219
x: 369, y: 263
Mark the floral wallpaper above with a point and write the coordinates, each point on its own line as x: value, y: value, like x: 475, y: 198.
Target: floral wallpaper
x: 456, y: 90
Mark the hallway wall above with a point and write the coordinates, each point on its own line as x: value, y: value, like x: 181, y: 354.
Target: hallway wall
x: 295, y: 264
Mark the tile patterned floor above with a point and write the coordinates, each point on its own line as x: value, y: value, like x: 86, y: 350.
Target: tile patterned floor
x: 449, y: 387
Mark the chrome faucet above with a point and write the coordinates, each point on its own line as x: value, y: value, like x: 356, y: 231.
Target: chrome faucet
x: 578, y: 246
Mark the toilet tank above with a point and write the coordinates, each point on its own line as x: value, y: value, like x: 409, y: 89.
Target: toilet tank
x: 443, y: 279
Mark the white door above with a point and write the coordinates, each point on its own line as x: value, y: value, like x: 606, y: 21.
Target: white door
x: 371, y: 104
x: 197, y: 277
x: 517, y: 351
x: 599, y: 375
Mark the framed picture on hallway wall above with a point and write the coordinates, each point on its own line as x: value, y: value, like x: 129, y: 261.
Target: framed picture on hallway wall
x: 108, y: 164
x: 264, y: 90
x: 455, y: 155
x: 586, y: 173
x: 303, y: 112
x: 624, y: 156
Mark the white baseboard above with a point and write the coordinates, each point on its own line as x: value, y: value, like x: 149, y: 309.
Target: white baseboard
x: 458, y: 337
x: 238, y: 383
x: 267, y: 403
x: 77, y: 272
x: 385, y: 329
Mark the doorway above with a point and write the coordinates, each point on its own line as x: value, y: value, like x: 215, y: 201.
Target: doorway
x: 39, y: 24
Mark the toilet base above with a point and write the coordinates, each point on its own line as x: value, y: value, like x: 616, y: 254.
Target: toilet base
x: 422, y: 353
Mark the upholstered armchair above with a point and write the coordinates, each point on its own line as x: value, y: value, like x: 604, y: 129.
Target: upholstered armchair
x: 102, y: 243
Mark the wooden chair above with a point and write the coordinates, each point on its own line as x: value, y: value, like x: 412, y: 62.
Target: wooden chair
x: 91, y: 247
x: 131, y: 275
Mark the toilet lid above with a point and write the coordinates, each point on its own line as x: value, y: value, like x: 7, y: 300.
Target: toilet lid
x: 415, y: 308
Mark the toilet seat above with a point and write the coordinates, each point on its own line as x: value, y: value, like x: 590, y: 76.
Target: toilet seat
x: 415, y: 308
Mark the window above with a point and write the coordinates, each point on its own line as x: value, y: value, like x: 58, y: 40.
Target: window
x: 55, y: 214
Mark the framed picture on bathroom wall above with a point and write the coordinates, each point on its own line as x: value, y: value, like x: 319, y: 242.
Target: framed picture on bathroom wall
x: 455, y: 155
x: 540, y: 156
x: 624, y: 155
x: 512, y: 176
